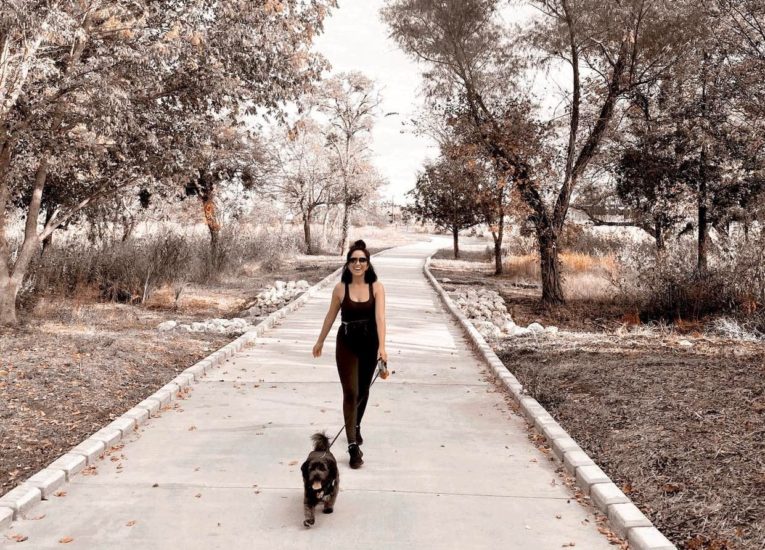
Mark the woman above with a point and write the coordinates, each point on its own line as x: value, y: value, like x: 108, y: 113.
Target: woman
x: 360, y: 298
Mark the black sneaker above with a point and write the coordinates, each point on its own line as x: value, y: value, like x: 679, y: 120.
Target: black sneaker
x: 356, y: 454
x: 359, y: 439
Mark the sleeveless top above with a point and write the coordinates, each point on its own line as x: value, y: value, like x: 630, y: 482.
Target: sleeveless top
x: 351, y: 311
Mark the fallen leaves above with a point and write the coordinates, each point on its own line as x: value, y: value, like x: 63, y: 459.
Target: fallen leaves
x: 59, y: 494
x: 130, y: 523
x: 65, y: 540
x: 17, y: 537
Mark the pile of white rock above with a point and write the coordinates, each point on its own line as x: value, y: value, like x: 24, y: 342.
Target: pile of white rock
x: 487, y: 311
x: 269, y: 300
x: 275, y: 297
x: 219, y: 326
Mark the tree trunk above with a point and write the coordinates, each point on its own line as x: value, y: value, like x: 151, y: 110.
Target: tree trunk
x: 307, y: 232
x: 498, y: 236
x: 213, y: 225
x: 9, y: 289
x: 659, y: 237
x: 703, y: 228
x: 456, y: 235
x: 47, y: 241
x: 344, y: 229
x: 552, y: 291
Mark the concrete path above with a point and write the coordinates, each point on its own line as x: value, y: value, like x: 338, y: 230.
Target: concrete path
x: 447, y: 464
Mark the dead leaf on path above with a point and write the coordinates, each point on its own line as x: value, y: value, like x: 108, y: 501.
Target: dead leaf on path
x: 18, y: 537
x: 198, y: 495
x: 37, y: 517
x: 569, y: 544
x: 90, y: 471
x: 130, y: 523
x: 558, y: 516
x: 192, y: 428
x: 59, y: 494
x: 65, y: 540
x: 292, y: 462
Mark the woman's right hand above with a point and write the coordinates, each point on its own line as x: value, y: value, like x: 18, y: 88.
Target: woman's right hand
x: 317, y: 349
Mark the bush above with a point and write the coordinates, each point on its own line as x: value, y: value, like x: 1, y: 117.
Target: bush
x: 129, y: 271
x: 272, y: 249
x: 669, y: 286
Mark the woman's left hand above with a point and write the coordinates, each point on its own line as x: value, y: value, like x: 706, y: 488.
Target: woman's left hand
x: 382, y: 354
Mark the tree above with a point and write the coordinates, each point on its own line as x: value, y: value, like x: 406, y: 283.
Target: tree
x: 350, y: 101
x: 610, y: 52
x: 92, y: 95
x: 446, y: 193
x: 304, y: 175
x: 230, y: 155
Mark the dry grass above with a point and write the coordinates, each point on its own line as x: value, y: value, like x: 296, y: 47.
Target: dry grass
x: 585, y: 277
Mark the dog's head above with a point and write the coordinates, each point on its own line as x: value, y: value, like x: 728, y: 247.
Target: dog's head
x: 318, y: 472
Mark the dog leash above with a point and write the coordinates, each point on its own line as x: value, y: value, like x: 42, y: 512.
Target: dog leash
x: 377, y: 373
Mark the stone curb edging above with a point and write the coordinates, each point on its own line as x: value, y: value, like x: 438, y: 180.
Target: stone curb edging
x: 625, y: 518
x: 16, y: 503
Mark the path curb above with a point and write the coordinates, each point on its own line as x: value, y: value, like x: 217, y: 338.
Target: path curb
x: 17, y: 503
x: 624, y: 517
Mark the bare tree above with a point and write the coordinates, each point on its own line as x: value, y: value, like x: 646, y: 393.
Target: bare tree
x: 350, y: 101
x: 304, y: 175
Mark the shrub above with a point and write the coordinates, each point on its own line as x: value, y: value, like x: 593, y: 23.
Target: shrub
x: 130, y: 271
x: 670, y: 287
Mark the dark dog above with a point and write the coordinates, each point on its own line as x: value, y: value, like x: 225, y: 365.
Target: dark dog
x: 320, y: 478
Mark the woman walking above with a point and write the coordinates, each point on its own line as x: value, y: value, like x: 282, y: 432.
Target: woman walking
x: 360, y: 298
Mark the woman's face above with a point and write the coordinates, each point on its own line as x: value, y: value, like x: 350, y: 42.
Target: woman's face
x: 358, y: 263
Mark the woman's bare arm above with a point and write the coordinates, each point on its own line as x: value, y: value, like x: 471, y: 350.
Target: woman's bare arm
x: 334, y: 308
x: 380, y: 319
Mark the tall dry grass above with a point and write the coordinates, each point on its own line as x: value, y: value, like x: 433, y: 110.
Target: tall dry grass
x: 585, y: 276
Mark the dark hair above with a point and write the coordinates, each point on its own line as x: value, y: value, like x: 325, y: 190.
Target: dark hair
x: 369, y: 276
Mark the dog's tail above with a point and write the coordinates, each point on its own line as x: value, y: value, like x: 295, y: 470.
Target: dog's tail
x: 320, y: 442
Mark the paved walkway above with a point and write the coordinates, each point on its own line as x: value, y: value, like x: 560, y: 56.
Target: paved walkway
x: 447, y: 464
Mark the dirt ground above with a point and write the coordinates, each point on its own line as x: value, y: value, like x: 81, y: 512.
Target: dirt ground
x: 678, y: 427
x: 76, y: 364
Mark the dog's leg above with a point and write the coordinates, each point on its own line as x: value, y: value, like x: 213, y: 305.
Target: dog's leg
x: 308, y: 510
x: 329, y: 505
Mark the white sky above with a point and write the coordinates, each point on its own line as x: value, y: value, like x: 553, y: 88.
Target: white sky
x: 355, y: 38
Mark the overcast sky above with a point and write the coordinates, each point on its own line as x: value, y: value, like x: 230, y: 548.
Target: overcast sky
x: 356, y: 39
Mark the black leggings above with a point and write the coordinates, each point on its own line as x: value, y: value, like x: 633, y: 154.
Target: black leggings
x: 356, y: 362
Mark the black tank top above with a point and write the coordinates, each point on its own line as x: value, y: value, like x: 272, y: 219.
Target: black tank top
x: 357, y: 311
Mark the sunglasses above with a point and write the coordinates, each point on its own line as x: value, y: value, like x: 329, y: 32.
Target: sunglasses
x: 361, y: 260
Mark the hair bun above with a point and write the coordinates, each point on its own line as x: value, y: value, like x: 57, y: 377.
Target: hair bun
x: 359, y: 244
